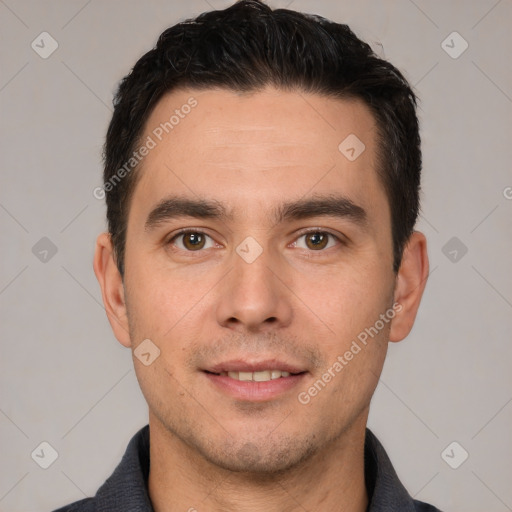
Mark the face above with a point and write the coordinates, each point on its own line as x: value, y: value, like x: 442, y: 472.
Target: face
x: 257, y: 256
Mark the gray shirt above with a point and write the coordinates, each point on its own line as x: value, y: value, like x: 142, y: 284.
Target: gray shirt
x: 126, y: 490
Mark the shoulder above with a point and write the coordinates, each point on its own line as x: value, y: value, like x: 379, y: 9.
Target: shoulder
x: 384, y: 487
x: 85, y: 505
x: 419, y: 506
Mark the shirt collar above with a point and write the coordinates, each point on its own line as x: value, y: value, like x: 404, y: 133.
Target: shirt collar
x: 385, y: 491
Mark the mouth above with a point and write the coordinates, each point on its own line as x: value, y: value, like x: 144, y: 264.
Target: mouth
x: 261, y: 376
x: 257, y: 381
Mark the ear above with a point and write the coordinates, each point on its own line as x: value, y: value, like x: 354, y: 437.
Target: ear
x: 112, y: 288
x: 410, y: 283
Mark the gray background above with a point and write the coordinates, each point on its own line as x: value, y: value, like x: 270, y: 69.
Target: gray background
x: 66, y: 380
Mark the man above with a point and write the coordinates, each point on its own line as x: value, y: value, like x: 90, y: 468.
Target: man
x: 262, y: 172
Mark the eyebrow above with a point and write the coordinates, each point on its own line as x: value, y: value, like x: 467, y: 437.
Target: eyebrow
x: 317, y: 206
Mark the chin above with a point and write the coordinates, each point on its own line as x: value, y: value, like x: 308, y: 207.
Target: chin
x: 260, y: 458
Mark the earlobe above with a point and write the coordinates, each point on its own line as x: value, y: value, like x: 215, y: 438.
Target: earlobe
x: 112, y: 288
x: 410, y: 284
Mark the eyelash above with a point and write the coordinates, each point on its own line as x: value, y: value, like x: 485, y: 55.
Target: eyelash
x: 187, y: 231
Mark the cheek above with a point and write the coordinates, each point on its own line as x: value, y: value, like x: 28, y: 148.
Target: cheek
x: 347, y: 299
x: 354, y: 304
x: 169, y: 308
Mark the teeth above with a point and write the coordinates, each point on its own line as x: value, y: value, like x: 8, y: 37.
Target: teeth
x: 262, y: 376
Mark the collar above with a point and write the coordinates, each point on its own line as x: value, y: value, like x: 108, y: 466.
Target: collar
x: 385, y: 491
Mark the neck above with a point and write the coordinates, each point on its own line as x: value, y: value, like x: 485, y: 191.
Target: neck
x: 181, y: 479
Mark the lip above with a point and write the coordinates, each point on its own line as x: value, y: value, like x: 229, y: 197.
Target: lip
x: 253, y: 391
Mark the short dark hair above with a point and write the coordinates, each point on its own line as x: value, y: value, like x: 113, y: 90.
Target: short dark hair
x: 245, y: 48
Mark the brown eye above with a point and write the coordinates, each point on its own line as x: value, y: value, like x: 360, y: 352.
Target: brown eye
x: 317, y: 240
x: 191, y: 241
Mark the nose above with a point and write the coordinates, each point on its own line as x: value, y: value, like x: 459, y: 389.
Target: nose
x: 254, y: 297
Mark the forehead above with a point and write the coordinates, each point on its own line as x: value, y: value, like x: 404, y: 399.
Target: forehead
x: 257, y: 149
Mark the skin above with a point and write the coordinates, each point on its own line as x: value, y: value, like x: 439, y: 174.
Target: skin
x: 295, y: 302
